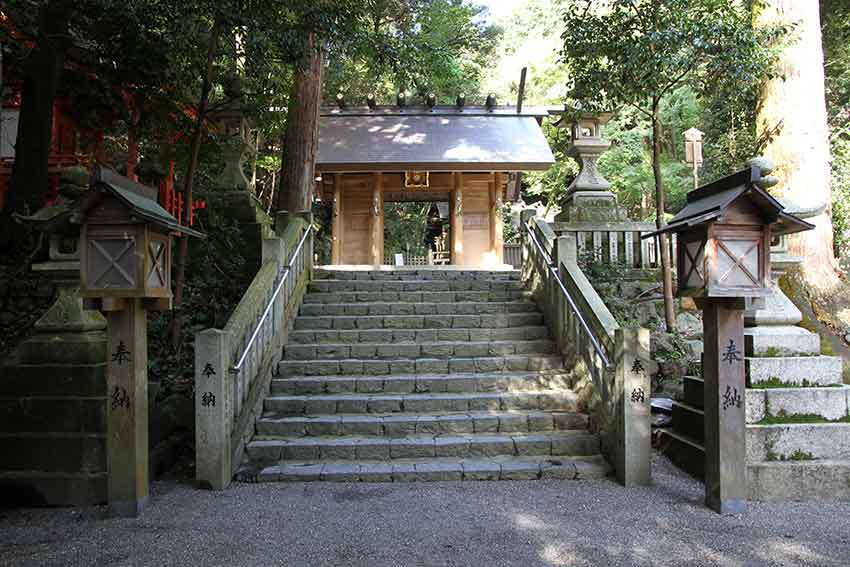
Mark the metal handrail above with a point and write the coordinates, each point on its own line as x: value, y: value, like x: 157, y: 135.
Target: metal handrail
x: 553, y: 269
x: 258, y: 326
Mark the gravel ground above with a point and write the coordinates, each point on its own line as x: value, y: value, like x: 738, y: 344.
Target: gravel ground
x: 452, y: 523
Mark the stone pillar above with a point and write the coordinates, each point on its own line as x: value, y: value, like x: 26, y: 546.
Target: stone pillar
x: 213, y: 413
x: 724, y: 406
x: 632, y: 391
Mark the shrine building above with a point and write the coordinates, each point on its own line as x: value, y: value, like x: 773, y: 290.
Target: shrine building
x: 467, y: 160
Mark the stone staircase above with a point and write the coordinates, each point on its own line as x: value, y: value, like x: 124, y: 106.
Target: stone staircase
x: 798, y: 416
x: 420, y: 374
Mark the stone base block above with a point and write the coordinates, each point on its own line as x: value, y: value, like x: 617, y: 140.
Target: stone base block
x: 824, y: 481
x: 31, y: 489
x: 795, y: 441
x: 64, y: 348
x: 780, y: 341
x: 689, y: 421
x: 829, y: 403
x: 799, y: 370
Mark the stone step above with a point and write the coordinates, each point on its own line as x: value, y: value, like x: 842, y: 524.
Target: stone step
x: 823, y: 480
x: 518, y: 363
x: 684, y: 451
x: 414, y: 273
x: 693, y: 391
x: 800, y: 370
x: 353, y: 448
x: 414, y: 288
x: 416, y: 296
x: 559, y: 467
x: 418, y: 335
x: 828, y: 403
x: 688, y: 420
x: 400, y: 425
x: 554, y: 400
x: 439, y: 350
x: 780, y: 341
x: 411, y: 384
x: 485, y: 321
x: 782, y: 441
x: 407, y: 308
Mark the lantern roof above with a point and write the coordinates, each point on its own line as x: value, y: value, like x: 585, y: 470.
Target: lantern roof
x: 139, y: 199
x: 709, y: 202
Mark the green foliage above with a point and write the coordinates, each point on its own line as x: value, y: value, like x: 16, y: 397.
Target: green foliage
x: 405, y: 226
x: 631, y: 53
x: 775, y: 382
x: 216, y: 280
x: 605, y: 277
x: 783, y: 418
x: 708, y: 46
x: 419, y: 46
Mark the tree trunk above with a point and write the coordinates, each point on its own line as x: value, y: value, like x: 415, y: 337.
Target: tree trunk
x: 195, y: 150
x: 795, y: 101
x: 42, y: 73
x: 660, y: 222
x: 300, y: 139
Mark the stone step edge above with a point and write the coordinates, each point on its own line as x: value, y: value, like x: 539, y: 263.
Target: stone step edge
x: 554, y: 467
x: 494, y: 437
x: 277, y: 417
x: 457, y: 376
x: 420, y: 343
x: 423, y: 395
x: 545, y: 346
x: 508, y: 302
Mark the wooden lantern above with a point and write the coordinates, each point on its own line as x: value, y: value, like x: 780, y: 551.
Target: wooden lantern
x: 724, y: 234
x: 125, y: 240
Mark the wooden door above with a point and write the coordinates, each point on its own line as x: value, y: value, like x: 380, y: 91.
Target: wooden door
x: 476, y: 221
x: 357, y: 218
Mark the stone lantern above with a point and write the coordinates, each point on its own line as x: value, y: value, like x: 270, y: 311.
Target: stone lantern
x: 588, y: 197
x: 723, y: 262
x: 235, y: 131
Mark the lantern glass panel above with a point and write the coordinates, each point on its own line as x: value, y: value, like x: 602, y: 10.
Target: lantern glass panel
x: 112, y: 263
x: 738, y: 263
x: 694, y: 264
x: 157, y: 265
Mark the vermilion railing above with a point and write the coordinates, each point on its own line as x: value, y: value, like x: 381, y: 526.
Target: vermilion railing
x: 55, y: 165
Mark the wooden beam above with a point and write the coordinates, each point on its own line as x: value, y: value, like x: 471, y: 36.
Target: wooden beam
x: 377, y: 237
x: 336, y: 220
x: 496, y: 229
x: 457, y: 220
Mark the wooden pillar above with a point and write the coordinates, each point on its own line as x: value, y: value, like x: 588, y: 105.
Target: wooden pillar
x: 725, y: 415
x: 496, y: 230
x: 457, y: 219
x: 336, y: 221
x: 127, y: 406
x: 377, y: 237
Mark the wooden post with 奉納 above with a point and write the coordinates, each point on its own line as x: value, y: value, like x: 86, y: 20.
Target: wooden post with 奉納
x: 457, y: 219
x: 724, y: 405
x: 127, y: 406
